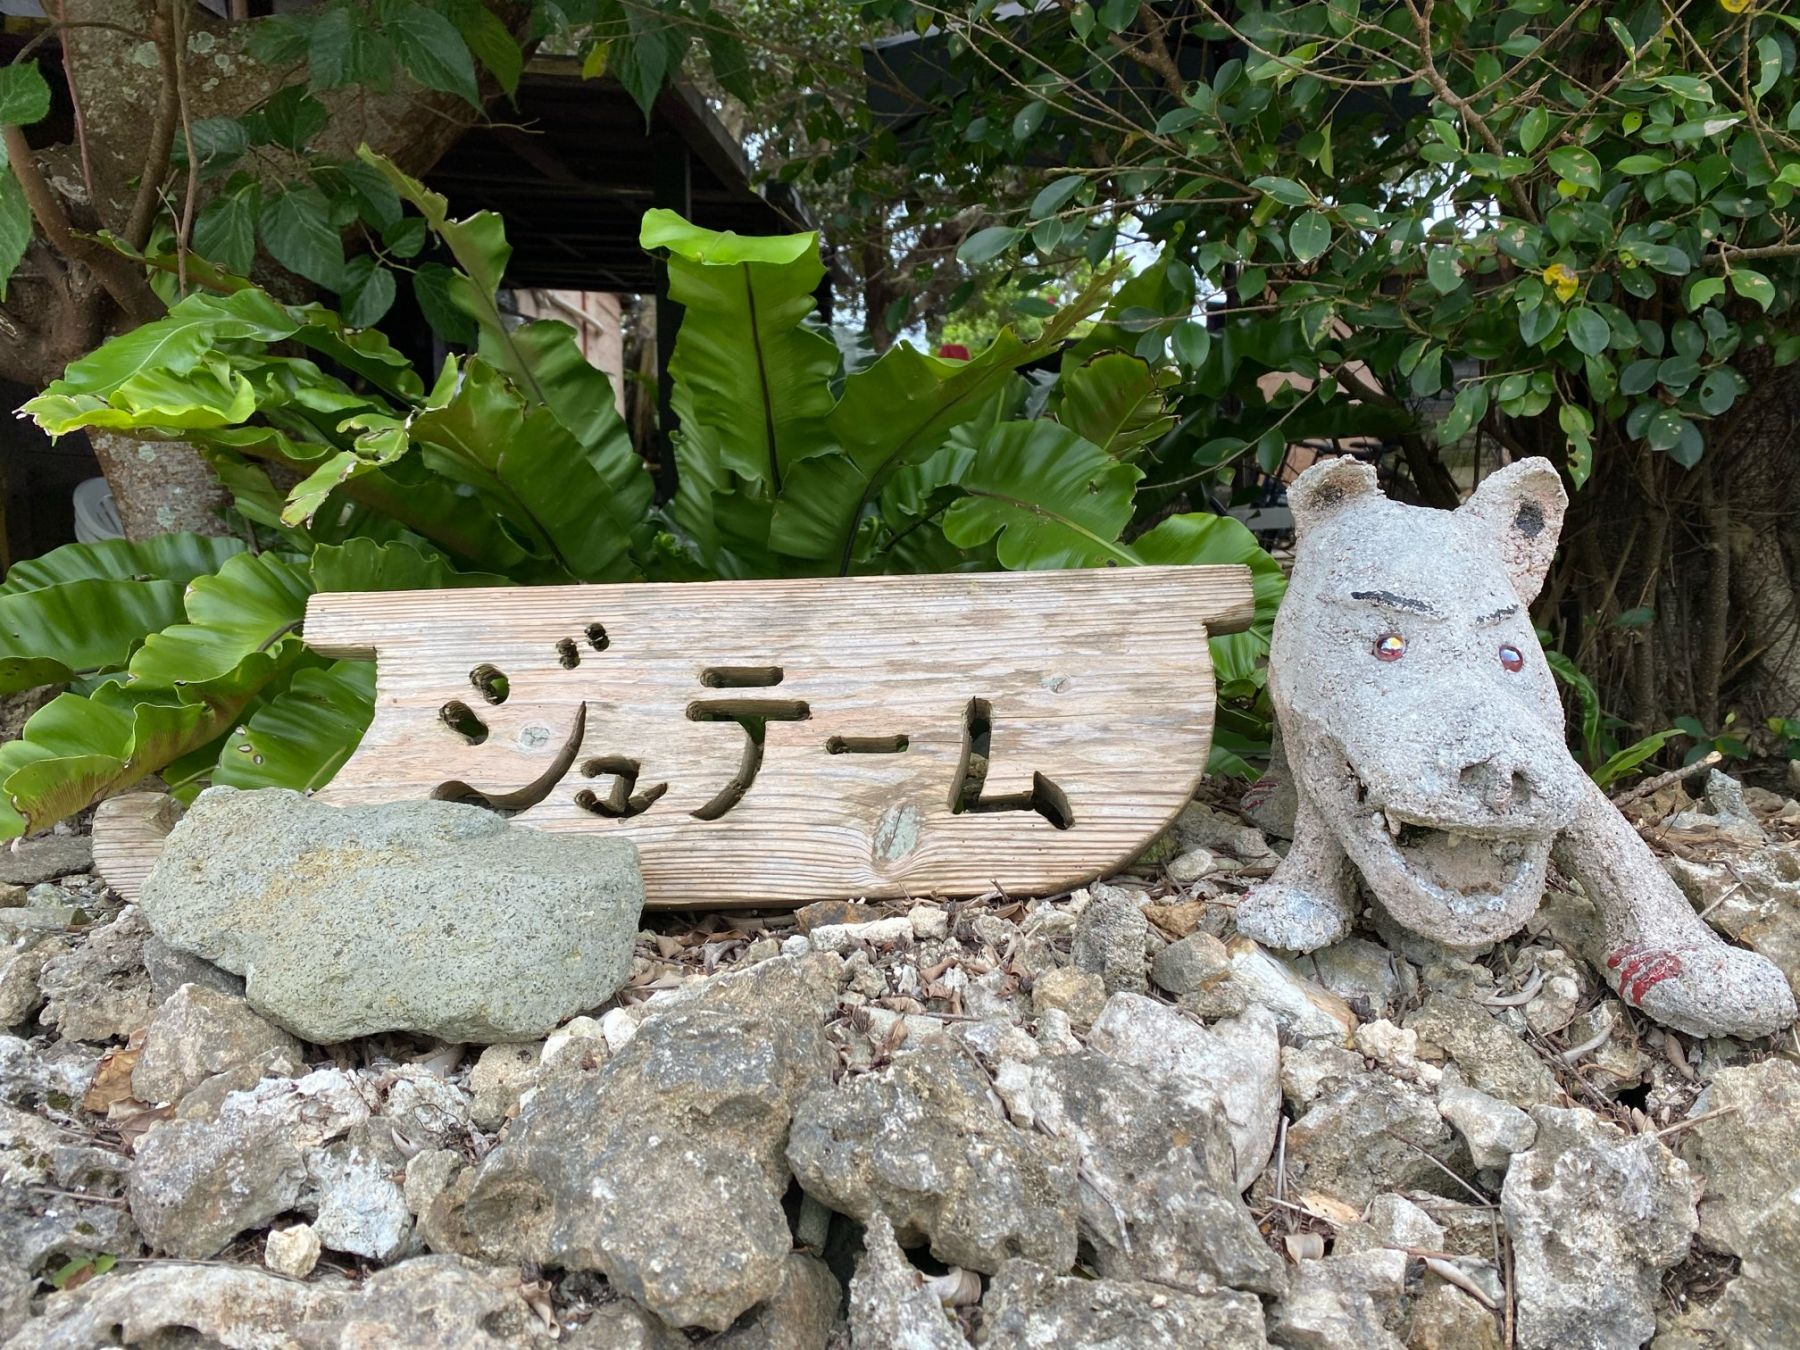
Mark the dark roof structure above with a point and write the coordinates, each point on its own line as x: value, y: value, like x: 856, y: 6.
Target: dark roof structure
x: 574, y: 168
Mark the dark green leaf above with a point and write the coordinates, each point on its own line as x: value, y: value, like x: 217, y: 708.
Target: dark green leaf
x: 494, y: 46
x: 432, y: 51
x: 431, y: 288
x: 1589, y: 333
x: 1055, y: 196
x: 1577, y: 165
x: 1054, y: 499
x: 988, y: 244
x: 15, y: 226
x: 297, y: 231
x: 1309, y: 235
x: 24, y: 95
x: 225, y: 231
x: 367, y: 292
x: 292, y: 117
x: 1533, y: 127
x: 304, y: 735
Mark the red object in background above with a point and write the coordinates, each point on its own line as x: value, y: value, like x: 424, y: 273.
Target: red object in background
x: 954, y: 351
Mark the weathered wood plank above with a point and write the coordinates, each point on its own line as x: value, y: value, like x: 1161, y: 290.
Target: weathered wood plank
x: 621, y: 703
x: 128, y: 835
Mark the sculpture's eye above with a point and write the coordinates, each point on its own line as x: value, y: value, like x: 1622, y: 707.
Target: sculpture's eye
x: 1390, y: 647
x: 1511, y: 658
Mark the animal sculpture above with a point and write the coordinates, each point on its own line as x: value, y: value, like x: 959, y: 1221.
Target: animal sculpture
x: 1424, y: 738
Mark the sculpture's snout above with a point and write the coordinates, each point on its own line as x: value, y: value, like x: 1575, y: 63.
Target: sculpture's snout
x: 1499, y: 783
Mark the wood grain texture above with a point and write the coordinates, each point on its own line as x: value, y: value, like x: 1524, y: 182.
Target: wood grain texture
x: 128, y: 835
x: 1097, y: 686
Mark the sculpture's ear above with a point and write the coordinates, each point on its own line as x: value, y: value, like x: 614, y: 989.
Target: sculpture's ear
x: 1327, y: 488
x: 1521, y: 508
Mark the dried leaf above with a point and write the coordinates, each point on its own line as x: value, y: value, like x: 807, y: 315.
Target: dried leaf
x: 1331, y: 1210
x: 112, y: 1079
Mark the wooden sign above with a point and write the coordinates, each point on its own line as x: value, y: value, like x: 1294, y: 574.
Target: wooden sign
x: 774, y: 742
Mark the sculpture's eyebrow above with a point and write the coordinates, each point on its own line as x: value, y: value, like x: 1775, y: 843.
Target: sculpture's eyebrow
x: 1389, y: 600
x: 1506, y: 612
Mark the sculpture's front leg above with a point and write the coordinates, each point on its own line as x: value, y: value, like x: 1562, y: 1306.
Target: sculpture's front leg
x: 1660, y: 956
x: 1311, y: 899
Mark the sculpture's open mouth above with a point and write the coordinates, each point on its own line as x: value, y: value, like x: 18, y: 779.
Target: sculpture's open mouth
x: 1464, y: 873
x: 1450, y: 881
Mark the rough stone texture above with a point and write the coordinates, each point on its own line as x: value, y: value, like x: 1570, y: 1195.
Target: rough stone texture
x: 1750, y: 1155
x: 1196, y: 962
x: 199, y: 1032
x: 687, y: 1123
x: 45, y: 858
x: 1158, y: 1199
x: 1752, y: 896
x: 1429, y: 756
x: 1370, y: 978
x: 98, y: 991
x: 1444, y: 1318
x: 890, y: 1308
x: 1492, y: 1058
x: 1028, y: 1308
x: 1338, y: 1302
x: 431, y: 1303
x: 239, y: 1307
x: 418, y: 916
x: 197, y: 1184
x: 34, y: 1073
x: 361, y: 1210
x: 22, y: 965
x: 1110, y: 934
x: 1492, y: 1129
x: 421, y: 1110
x: 924, y: 1142
x: 170, y: 969
x: 1234, y: 1065
x: 1367, y: 1134
x: 801, y: 1315
x: 806, y: 1313
x: 1200, y: 826
x: 45, y: 1219
x: 1594, y: 1217
x: 1392, y: 1221
x: 500, y: 1078
x: 1304, y: 1009
x: 1065, y: 989
x: 292, y: 1251
x: 1750, y: 1158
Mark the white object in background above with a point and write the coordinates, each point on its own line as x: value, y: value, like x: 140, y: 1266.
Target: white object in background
x: 96, y: 515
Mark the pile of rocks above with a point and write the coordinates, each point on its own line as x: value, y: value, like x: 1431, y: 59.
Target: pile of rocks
x: 1092, y: 1119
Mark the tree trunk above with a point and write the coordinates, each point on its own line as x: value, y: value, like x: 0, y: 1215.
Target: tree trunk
x: 160, y: 486
x: 129, y: 88
x: 1712, y: 553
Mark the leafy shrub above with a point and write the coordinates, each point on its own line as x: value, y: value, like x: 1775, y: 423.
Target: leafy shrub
x: 186, y: 655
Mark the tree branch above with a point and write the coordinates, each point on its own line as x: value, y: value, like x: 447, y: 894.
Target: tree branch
x: 162, y: 130
x: 121, y: 280
x: 1441, y: 87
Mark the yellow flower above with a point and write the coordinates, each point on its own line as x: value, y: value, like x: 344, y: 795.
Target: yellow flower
x: 1562, y: 279
x: 1735, y: 6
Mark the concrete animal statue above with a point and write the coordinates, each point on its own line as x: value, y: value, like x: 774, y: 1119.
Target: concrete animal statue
x: 1424, y: 737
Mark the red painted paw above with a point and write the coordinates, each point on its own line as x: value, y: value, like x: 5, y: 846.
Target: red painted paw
x: 1259, y: 792
x: 1641, y: 968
